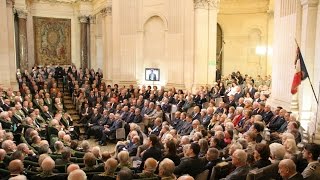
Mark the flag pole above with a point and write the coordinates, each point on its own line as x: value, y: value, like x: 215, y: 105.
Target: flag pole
x: 314, y: 93
x: 316, y: 123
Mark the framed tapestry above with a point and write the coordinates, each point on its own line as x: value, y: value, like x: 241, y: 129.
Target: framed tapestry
x: 52, y: 41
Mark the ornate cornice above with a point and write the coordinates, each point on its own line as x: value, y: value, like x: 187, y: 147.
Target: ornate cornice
x: 22, y: 13
x: 10, y: 2
x: 106, y: 11
x: 206, y: 4
x: 311, y: 3
x: 83, y: 19
x: 65, y: 1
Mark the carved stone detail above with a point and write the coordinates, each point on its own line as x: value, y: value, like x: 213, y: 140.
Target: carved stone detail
x: 22, y: 13
x: 107, y: 11
x: 206, y: 4
x: 83, y: 19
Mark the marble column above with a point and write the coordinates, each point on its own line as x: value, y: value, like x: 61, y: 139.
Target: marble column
x: 107, y: 44
x: 92, y: 52
x: 205, y: 41
x: 308, y: 35
x: 4, y: 47
x: 317, y: 74
x: 23, y: 39
x: 84, y: 41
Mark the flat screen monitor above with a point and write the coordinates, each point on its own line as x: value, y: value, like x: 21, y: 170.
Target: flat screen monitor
x: 152, y: 74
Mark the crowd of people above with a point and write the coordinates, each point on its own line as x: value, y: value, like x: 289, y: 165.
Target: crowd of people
x: 169, y: 134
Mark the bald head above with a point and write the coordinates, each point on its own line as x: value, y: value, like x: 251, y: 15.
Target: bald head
x: 47, y: 164
x: 77, y: 174
x: 111, y: 165
x: 150, y: 165
x: 185, y: 177
x: 287, y: 168
x: 2, y: 154
x: 15, y: 166
x: 166, y: 168
x: 72, y: 167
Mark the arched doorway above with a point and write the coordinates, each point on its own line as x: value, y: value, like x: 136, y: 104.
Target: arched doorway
x: 219, y: 52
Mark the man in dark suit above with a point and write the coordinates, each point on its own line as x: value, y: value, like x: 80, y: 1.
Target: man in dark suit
x: 110, y: 133
x: 206, y: 120
x: 267, y: 114
x: 238, y: 94
x: 85, y: 113
x: 191, y: 164
x: 251, y: 90
x: 196, y: 113
x: 93, y: 121
x: 46, y: 114
x: 156, y: 128
x: 187, y: 126
x: 92, y: 99
x: 287, y: 170
x: 239, y: 160
x: 166, y: 107
x: 48, y: 102
x: 137, y: 116
x: 153, y: 150
x: 232, y: 102
x: 6, y: 106
x: 277, y: 122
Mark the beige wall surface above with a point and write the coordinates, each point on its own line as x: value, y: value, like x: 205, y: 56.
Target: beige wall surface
x: 245, y: 27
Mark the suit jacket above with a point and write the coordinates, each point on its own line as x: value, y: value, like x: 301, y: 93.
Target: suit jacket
x: 186, y: 106
x: 190, y: 165
x: 239, y: 173
x: 116, y: 125
x: 132, y: 149
x: 153, y: 152
x: 166, y: 108
x: 25, y: 110
x: 237, y: 96
x: 297, y: 176
x: 276, y: 123
x: 196, y: 116
x: 156, y: 130
x: 206, y: 120
x: 137, y: 118
x: 185, y: 129
x: 47, y: 116
x: 94, y: 119
x: 125, y: 115
x: 266, y: 116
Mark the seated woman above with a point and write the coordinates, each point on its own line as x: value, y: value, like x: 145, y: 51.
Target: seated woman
x: 124, y: 160
x: 261, y: 156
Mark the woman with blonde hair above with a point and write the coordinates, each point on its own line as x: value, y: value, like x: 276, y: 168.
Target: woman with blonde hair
x: 291, y: 148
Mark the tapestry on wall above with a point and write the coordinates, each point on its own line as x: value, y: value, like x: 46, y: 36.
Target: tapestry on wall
x: 52, y: 41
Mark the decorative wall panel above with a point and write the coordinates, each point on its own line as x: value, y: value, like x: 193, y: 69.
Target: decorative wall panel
x: 52, y: 37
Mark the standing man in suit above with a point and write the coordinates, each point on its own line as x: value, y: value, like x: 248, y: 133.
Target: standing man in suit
x: 152, y: 76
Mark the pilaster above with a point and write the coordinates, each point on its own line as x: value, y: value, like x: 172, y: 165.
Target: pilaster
x: 23, y: 39
x: 84, y: 41
x: 308, y: 35
x: 107, y: 43
x: 205, y: 41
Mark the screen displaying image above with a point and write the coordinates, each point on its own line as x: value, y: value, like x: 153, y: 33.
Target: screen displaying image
x: 152, y: 74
